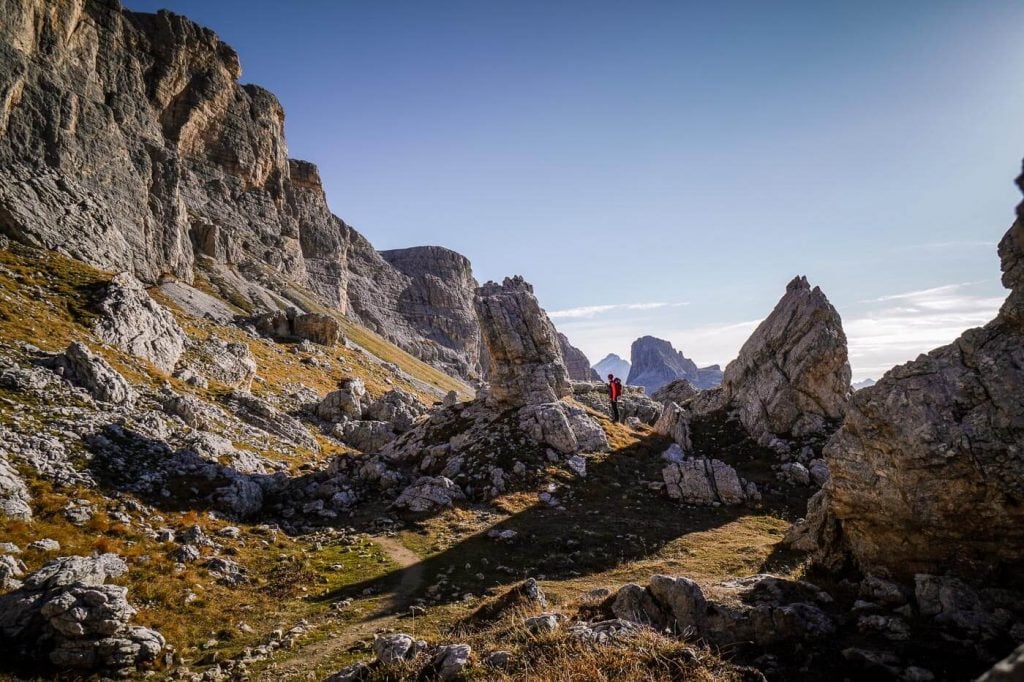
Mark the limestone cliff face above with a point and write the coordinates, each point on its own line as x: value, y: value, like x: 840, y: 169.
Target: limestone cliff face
x: 128, y: 142
x: 438, y: 302
x: 576, y: 362
x: 928, y: 467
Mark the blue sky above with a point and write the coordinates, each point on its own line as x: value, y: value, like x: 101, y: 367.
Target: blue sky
x: 666, y: 168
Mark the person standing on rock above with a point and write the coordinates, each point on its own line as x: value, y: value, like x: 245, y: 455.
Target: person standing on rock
x: 614, y: 391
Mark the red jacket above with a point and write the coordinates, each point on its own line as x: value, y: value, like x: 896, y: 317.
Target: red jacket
x: 615, y: 389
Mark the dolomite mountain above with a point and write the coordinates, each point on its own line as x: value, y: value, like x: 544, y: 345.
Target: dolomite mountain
x: 128, y: 142
x: 928, y: 467
x: 654, y: 363
x: 612, y: 364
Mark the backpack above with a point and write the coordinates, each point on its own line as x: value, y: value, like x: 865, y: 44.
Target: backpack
x: 618, y: 387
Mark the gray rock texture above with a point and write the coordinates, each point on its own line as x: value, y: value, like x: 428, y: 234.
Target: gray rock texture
x: 14, y: 495
x: 927, y: 471
x: 791, y: 377
x: 128, y: 142
x: 132, y: 321
x: 576, y: 362
x: 438, y: 303
x: 65, y: 615
x: 522, y: 357
x: 88, y: 370
x: 654, y: 363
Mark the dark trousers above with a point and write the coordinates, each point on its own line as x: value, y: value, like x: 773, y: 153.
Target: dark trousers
x: 615, y: 410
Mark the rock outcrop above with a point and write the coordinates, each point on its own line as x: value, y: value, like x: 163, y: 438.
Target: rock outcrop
x: 576, y: 362
x: 522, y: 357
x: 438, y: 302
x: 927, y: 471
x: 291, y: 324
x: 791, y: 378
x: 14, y: 495
x: 612, y: 364
x: 128, y: 142
x: 762, y: 609
x: 91, y: 372
x: 678, y: 392
x: 65, y: 614
x: 654, y: 363
x: 132, y: 321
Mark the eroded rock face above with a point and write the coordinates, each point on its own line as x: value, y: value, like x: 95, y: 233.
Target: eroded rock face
x: 566, y: 428
x: 704, y: 482
x: 576, y: 362
x: 128, y: 142
x: 132, y: 321
x: 654, y: 363
x: 86, y: 369
x: 14, y: 496
x: 66, y: 615
x: 927, y: 472
x: 792, y: 376
x: 438, y: 302
x: 521, y: 351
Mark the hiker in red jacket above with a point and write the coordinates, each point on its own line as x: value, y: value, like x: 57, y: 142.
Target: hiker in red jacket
x: 614, y: 391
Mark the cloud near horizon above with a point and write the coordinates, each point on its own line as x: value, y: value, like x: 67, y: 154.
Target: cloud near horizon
x: 882, y: 332
x: 595, y: 310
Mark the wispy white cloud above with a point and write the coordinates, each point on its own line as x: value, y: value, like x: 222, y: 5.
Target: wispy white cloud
x: 943, y: 246
x: 595, y: 310
x: 897, y: 328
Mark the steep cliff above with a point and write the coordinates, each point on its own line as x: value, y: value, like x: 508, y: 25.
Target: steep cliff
x: 128, y: 142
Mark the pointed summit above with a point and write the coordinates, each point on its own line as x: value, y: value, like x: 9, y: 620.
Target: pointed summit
x: 792, y: 376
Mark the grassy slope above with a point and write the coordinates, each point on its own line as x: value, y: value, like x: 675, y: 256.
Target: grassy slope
x: 613, y: 528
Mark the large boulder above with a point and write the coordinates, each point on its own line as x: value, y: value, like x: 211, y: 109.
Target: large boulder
x: 348, y: 402
x: 132, y: 321
x: 232, y: 364
x: 791, y: 378
x: 521, y: 351
x: 292, y: 324
x: 704, y: 482
x: 761, y: 609
x: 65, y: 614
x: 566, y: 428
x: 927, y: 472
x: 86, y: 369
x: 654, y: 363
x: 429, y: 493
